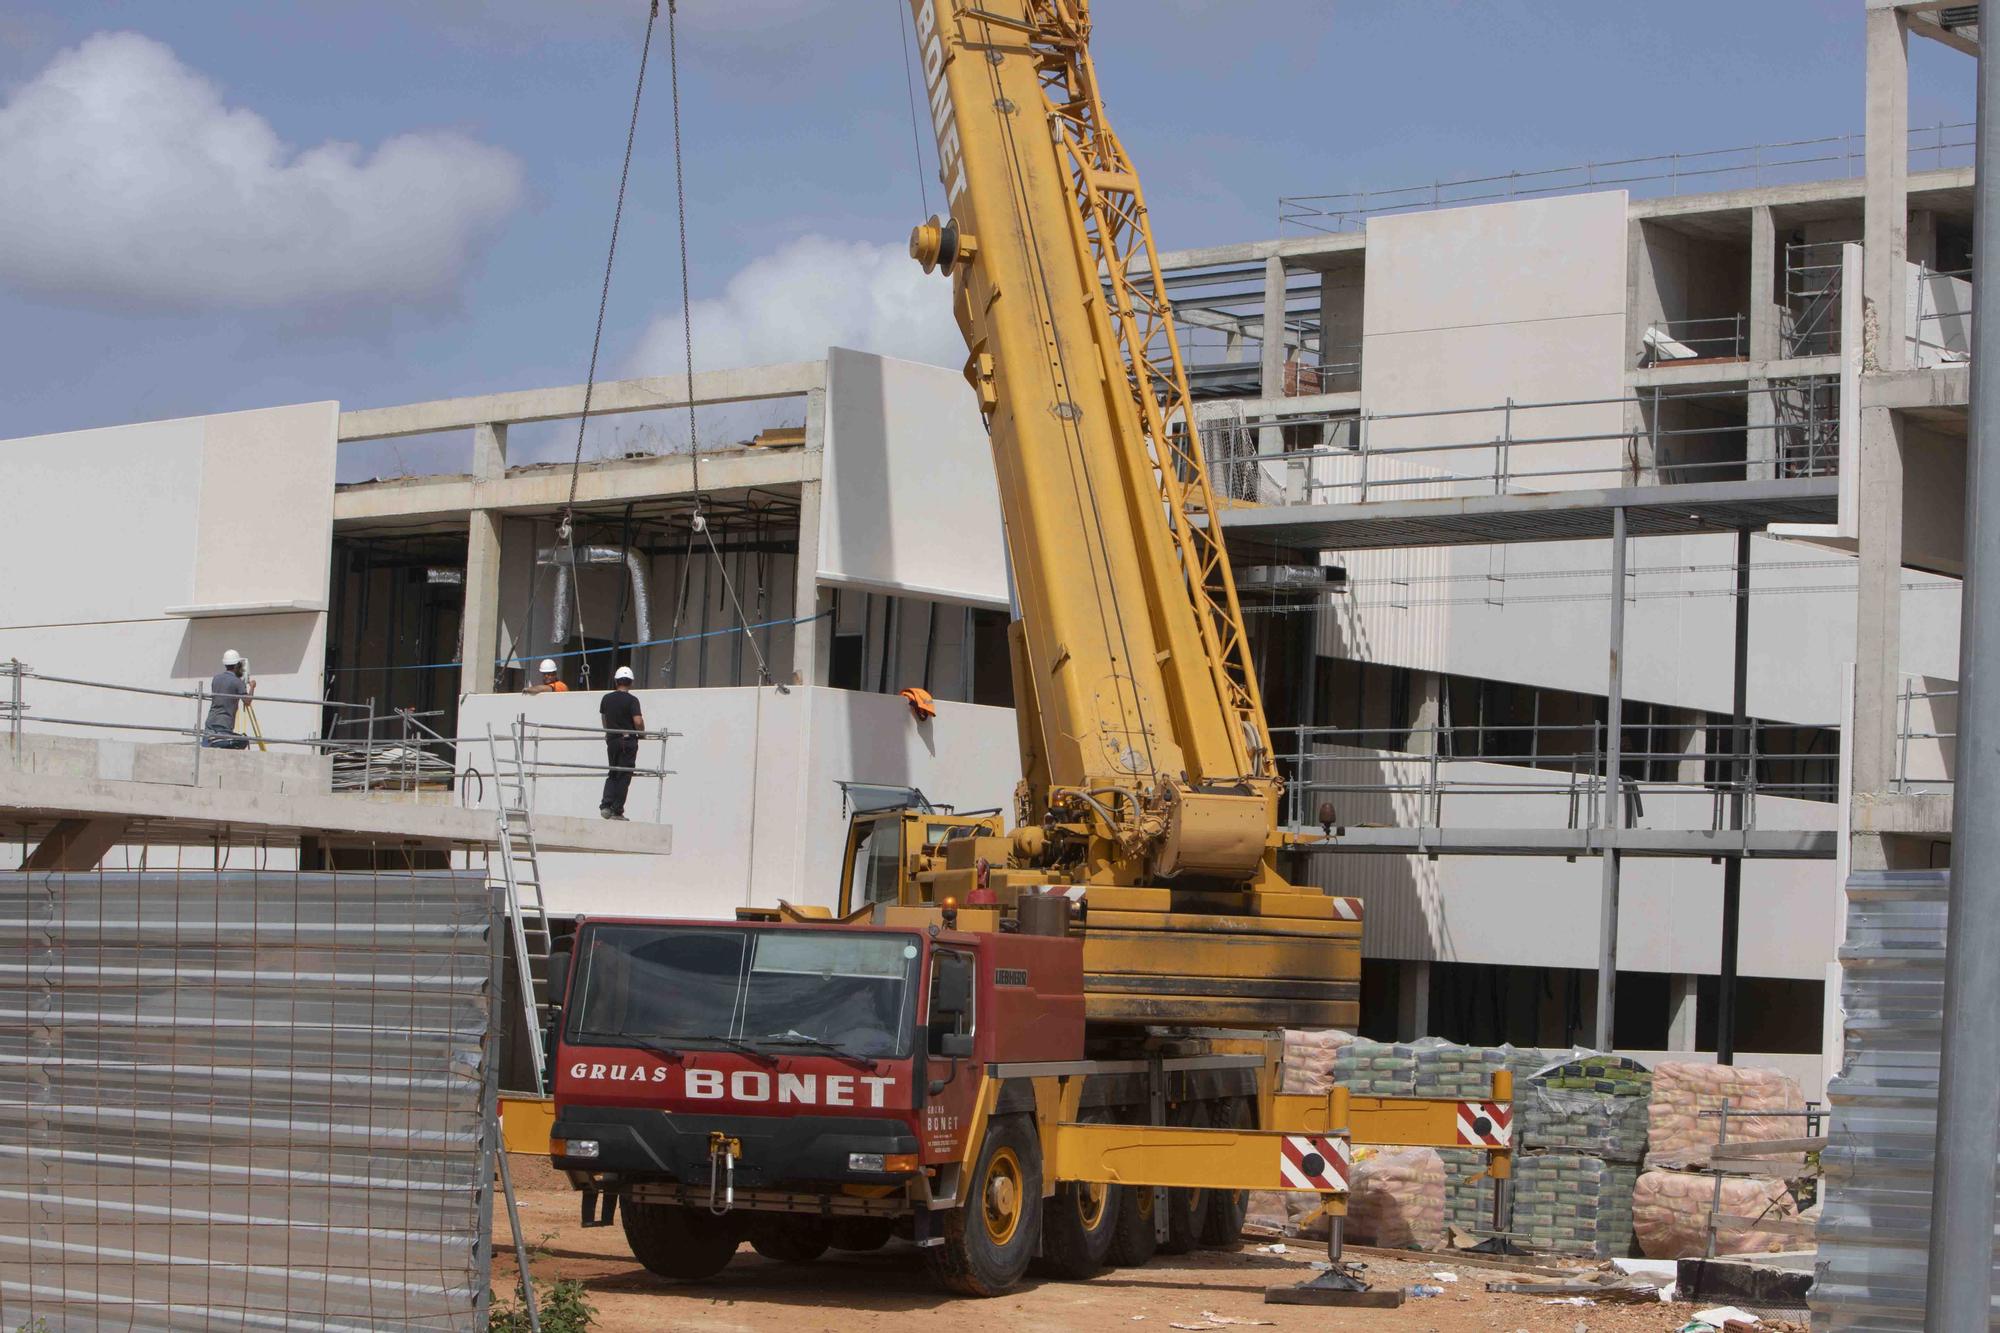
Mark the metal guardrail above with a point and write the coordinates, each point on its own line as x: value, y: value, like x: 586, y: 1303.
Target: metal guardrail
x: 1411, y: 763
x: 1907, y: 731
x: 1797, y: 161
x: 1513, y: 456
x: 393, y: 752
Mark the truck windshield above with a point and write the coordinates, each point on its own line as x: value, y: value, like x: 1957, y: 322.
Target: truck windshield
x: 690, y: 985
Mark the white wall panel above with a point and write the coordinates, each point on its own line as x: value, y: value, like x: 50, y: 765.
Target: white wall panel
x: 910, y: 503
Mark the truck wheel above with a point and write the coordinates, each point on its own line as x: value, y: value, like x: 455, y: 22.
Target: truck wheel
x: 1078, y: 1227
x: 789, y: 1240
x: 996, y: 1229
x: 859, y: 1234
x: 1187, y: 1209
x: 678, y: 1243
x: 1222, y: 1228
x: 1133, y: 1239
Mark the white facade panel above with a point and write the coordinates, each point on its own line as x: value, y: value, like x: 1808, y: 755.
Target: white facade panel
x: 910, y: 504
x: 752, y: 790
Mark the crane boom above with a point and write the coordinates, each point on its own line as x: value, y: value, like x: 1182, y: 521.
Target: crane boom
x: 1150, y: 791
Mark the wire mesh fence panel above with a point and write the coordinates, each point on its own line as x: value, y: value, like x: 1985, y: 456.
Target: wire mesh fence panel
x: 254, y: 1099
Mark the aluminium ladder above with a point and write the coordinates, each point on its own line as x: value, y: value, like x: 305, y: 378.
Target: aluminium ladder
x: 521, y: 876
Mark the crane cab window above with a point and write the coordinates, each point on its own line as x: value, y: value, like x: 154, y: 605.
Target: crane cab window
x: 876, y: 876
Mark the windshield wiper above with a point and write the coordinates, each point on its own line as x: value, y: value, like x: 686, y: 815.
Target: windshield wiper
x: 742, y: 1047
x: 801, y: 1039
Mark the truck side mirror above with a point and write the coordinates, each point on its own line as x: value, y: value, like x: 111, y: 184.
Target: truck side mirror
x: 951, y: 990
x: 957, y: 1045
x: 558, y: 976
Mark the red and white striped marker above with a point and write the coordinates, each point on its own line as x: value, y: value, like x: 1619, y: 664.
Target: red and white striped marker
x: 1314, y: 1162
x: 1347, y: 909
x: 1485, y: 1124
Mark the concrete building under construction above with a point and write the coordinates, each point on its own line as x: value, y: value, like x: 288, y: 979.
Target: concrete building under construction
x: 1481, y: 442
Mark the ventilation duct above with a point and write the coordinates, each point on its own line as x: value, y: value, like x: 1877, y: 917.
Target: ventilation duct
x: 569, y: 557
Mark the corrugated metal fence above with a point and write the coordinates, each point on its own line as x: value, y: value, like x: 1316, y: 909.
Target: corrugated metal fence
x: 1876, y: 1223
x: 245, y: 1100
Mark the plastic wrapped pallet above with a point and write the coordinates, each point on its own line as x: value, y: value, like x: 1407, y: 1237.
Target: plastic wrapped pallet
x: 1310, y: 1057
x: 1396, y: 1199
x: 1670, y: 1212
x: 1599, y: 1105
x: 1573, y: 1203
x: 1680, y: 1134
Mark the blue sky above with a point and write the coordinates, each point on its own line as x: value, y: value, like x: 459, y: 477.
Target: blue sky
x: 220, y: 205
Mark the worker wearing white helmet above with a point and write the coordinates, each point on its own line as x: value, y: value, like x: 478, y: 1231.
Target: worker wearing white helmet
x: 227, y: 692
x: 551, y: 681
x: 624, y: 723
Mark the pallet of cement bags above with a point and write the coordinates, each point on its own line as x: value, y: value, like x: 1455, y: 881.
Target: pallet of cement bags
x: 1670, y: 1213
x: 1685, y: 1121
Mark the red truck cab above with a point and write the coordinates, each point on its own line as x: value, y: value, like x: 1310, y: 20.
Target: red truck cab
x: 836, y: 1058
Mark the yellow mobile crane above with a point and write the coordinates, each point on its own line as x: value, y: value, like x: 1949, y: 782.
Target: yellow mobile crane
x: 1051, y: 1043
x: 1150, y: 792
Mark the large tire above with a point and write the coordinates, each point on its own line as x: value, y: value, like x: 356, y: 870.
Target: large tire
x: 1133, y: 1237
x: 1222, y: 1228
x: 1078, y: 1229
x: 1187, y: 1209
x: 679, y: 1243
x: 859, y: 1234
x: 995, y: 1231
x: 789, y: 1240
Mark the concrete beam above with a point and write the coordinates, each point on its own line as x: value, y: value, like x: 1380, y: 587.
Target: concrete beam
x: 1298, y: 251
x: 203, y: 812
x: 1673, y: 373
x: 1878, y: 599
x: 749, y: 384
x: 1909, y: 390
x: 76, y: 844
x: 547, y: 489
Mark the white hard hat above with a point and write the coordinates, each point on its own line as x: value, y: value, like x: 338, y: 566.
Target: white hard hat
x: 548, y: 666
x: 231, y: 658
x: 622, y: 673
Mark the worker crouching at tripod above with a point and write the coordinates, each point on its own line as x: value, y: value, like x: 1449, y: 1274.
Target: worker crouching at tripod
x: 227, y: 691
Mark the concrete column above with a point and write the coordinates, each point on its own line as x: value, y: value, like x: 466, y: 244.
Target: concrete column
x: 1340, y: 328
x: 1879, y: 593
x: 479, y: 625
x: 1413, y: 1000
x: 1693, y: 768
x: 1681, y: 1011
x: 1921, y: 246
x: 1426, y: 710
x: 1886, y: 212
x: 1271, y: 375
x: 1760, y: 434
x: 1766, y: 300
x: 812, y: 640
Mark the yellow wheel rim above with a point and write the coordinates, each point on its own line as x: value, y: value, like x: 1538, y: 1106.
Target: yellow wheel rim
x: 1000, y: 1196
x: 1090, y: 1199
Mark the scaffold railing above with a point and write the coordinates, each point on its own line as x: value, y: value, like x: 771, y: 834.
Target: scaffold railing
x: 369, y: 753
x: 1652, y: 436
x: 1435, y: 776
x: 1795, y: 161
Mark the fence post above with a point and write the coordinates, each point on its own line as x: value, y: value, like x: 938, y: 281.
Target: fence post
x: 368, y: 752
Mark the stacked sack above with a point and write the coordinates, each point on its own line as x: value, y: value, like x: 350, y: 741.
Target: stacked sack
x: 1670, y: 1209
x: 1396, y: 1199
x: 1670, y: 1212
x: 1310, y: 1057
x: 1580, y: 1127
x: 1468, y: 1191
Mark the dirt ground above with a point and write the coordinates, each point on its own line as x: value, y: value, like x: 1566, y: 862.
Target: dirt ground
x: 889, y: 1291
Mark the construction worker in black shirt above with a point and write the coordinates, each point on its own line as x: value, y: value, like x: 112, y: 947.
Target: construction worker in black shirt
x: 623, y: 725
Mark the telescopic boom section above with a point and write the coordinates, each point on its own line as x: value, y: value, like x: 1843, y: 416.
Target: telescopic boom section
x: 1146, y: 721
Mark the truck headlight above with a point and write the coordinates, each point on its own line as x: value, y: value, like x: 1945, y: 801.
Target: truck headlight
x: 573, y: 1147
x: 882, y: 1162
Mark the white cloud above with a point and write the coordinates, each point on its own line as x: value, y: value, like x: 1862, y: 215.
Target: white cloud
x: 128, y: 180
x: 811, y: 294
